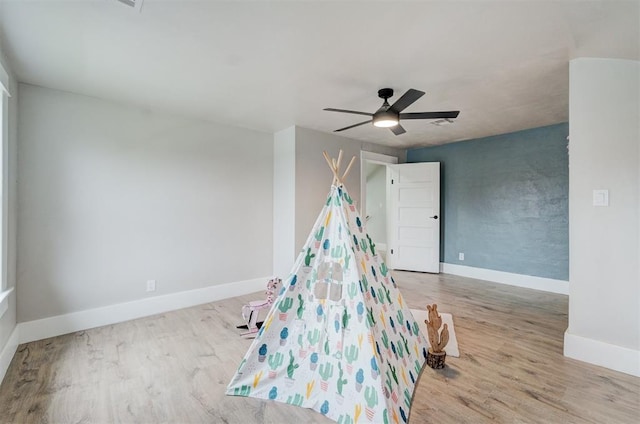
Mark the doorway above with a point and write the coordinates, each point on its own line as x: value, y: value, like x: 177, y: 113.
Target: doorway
x: 373, y: 193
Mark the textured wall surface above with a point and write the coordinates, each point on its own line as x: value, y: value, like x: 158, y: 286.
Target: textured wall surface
x: 505, y: 201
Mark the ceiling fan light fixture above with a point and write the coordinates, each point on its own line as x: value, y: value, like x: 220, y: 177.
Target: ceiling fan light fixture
x: 385, y: 123
x: 385, y: 119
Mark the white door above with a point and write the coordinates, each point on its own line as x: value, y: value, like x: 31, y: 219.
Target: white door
x: 414, y: 217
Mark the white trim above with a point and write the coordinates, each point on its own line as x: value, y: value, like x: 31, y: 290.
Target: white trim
x: 4, y: 80
x: 377, y: 157
x: 8, y: 352
x: 603, y: 354
x: 4, y: 301
x: 519, y: 280
x: 77, y: 321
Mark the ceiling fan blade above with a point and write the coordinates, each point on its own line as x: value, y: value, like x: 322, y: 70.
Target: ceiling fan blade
x: 354, y: 125
x: 330, y: 109
x: 407, y: 99
x: 397, y: 129
x: 431, y: 115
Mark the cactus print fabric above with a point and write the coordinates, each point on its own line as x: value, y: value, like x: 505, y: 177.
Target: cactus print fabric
x: 339, y: 339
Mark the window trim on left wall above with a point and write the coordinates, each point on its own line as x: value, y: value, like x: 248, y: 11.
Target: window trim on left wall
x: 4, y: 178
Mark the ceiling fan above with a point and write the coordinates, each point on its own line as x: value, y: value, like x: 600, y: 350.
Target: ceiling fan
x: 389, y: 116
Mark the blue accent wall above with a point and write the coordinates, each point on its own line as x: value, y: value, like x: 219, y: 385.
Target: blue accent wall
x: 505, y: 201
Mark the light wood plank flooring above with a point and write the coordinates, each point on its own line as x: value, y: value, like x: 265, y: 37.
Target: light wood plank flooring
x: 174, y: 367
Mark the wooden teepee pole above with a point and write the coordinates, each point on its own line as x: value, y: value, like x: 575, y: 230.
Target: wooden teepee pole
x: 334, y: 165
x: 346, y: 172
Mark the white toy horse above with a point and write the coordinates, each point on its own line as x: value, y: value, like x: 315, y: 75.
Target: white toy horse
x: 251, y: 310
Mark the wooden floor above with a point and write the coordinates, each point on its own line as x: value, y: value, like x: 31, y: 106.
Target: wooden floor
x: 174, y: 367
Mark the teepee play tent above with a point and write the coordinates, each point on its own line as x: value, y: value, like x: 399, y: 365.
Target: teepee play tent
x: 339, y: 339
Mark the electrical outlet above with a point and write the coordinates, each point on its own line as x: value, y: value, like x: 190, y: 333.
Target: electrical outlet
x: 151, y: 285
x: 461, y: 256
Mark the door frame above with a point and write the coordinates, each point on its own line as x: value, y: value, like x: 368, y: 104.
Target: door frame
x: 376, y: 158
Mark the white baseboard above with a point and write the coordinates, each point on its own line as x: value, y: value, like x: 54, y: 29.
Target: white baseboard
x: 603, y: 354
x: 7, y: 352
x: 519, y: 280
x: 76, y: 321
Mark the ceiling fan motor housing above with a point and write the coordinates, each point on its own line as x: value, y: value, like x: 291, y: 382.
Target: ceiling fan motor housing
x: 385, y: 93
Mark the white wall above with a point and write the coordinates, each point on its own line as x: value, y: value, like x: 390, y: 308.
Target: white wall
x: 604, y: 299
x: 111, y: 196
x: 8, y: 343
x: 284, y: 198
x: 302, y: 180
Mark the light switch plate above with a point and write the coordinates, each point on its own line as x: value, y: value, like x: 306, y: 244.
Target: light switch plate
x: 151, y: 285
x: 600, y: 197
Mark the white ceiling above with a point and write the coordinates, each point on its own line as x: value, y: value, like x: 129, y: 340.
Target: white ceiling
x: 268, y: 65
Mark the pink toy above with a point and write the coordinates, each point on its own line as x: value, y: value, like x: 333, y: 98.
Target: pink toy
x: 251, y: 310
